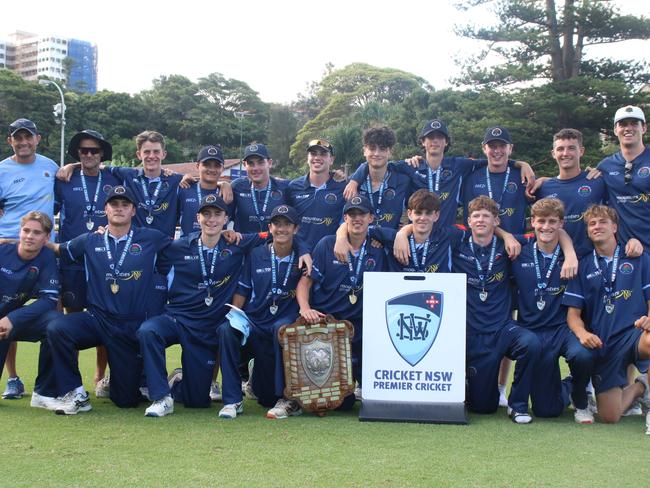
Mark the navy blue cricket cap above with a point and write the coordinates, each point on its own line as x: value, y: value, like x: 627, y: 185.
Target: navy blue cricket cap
x: 358, y: 202
x: 213, y: 201
x: 120, y: 191
x: 497, y: 133
x: 23, y: 124
x: 256, y: 150
x: 287, y: 212
x: 210, y: 152
x: 435, y: 125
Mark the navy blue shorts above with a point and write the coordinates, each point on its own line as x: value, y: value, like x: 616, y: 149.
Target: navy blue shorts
x: 610, y: 369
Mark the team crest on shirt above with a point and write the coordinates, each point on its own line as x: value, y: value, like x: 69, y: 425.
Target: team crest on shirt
x: 413, y: 322
x: 225, y: 253
x: 164, y: 186
x: 135, y: 249
x: 370, y: 264
x: 643, y: 172
x: 32, y: 272
x: 389, y: 194
x: 626, y: 268
x: 584, y: 191
x: 46, y: 174
x: 107, y: 188
x: 511, y: 187
x: 446, y: 173
x: 331, y: 198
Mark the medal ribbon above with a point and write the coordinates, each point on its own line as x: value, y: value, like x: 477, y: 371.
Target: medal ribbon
x: 483, y: 277
x: 382, y: 187
x: 275, y: 291
x: 434, y: 187
x: 207, y: 278
x: 542, y: 285
x: 414, y: 254
x: 354, y: 276
x: 90, y: 206
x: 115, y: 268
x: 150, y: 201
x: 266, y: 200
x: 489, y: 184
x: 608, y: 284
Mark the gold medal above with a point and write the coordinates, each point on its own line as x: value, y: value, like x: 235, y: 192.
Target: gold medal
x: 115, y: 287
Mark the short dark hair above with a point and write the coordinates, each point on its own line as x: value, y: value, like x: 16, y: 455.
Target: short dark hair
x: 424, y: 200
x: 149, y: 136
x: 379, y: 136
x: 568, y: 134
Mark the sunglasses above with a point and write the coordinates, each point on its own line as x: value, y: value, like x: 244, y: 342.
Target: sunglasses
x: 89, y: 150
x: 320, y: 142
x: 627, y: 178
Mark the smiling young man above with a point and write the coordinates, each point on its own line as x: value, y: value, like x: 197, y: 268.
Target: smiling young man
x: 491, y: 333
x: 317, y: 196
x: 28, y: 270
x: 119, y: 268
x: 26, y: 184
x: 608, y: 312
x: 539, y: 300
x: 266, y: 293
x: 627, y: 175
x: 255, y: 196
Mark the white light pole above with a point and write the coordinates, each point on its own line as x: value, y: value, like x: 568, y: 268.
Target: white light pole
x: 59, y: 111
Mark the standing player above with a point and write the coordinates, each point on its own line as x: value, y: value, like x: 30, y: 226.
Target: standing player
x: 80, y: 203
x: 28, y: 270
x: 491, y: 334
x: 119, y: 272
x: 541, y: 311
x: 209, y: 162
x: 202, y: 277
x: 26, y: 184
x: 317, y: 196
x: 608, y: 312
x: 627, y: 176
x: 256, y: 195
x: 266, y: 293
x: 336, y: 287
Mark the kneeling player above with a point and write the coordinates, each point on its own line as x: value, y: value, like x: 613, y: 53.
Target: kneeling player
x: 612, y: 292
x: 30, y: 270
x: 541, y: 311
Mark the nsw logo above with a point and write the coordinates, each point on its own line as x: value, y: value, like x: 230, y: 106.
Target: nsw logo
x: 413, y: 322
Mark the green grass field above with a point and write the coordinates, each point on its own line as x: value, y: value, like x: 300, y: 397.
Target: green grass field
x: 109, y: 447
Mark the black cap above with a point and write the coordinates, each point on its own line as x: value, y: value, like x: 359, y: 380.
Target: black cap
x: 321, y: 144
x: 256, y: 150
x: 287, y: 212
x: 435, y: 125
x: 358, y: 202
x: 121, y: 192
x: 497, y: 133
x: 213, y: 201
x: 23, y: 124
x: 73, y: 146
x: 210, y: 152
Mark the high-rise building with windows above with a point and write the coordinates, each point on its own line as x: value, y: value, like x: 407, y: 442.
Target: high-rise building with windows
x: 70, y: 61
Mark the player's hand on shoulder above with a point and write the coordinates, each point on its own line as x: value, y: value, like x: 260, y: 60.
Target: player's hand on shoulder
x: 350, y: 189
x: 65, y: 173
x: 643, y: 323
x: 569, y: 268
x: 231, y: 236
x: 633, y: 248
x: 225, y: 190
x: 305, y: 263
x: 414, y: 161
x: 593, y: 173
x: 187, y: 181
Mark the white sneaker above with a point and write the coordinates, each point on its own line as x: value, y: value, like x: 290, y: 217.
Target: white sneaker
x: 231, y: 410
x: 635, y: 409
x: 283, y: 409
x: 103, y: 387
x: 215, y: 391
x: 41, y: 401
x: 592, y: 405
x: 647, y: 423
x: 519, y: 417
x: 645, y: 398
x: 583, y: 416
x: 160, y: 408
x: 176, y: 376
x: 72, y: 403
x: 503, y: 399
x: 358, y: 393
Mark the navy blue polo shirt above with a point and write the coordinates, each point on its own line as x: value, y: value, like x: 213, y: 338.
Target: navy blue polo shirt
x: 320, y: 209
x: 187, y: 289
x: 398, y: 186
x: 20, y: 280
x: 523, y: 270
x: 485, y: 317
x: 189, y: 200
x: 439, y: 250
x: 72, y: 204
x: 165, y: 208
x: 577, y: 194
x: 135, y: 278
x: 331, y: 289
x: 631, y: 201
x: 511, y: 197
x: 631, y: 292
x: 255, y: 284
x: 245, y: 218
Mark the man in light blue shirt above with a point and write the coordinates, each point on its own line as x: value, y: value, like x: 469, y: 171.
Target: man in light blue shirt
x: 26, y: 184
